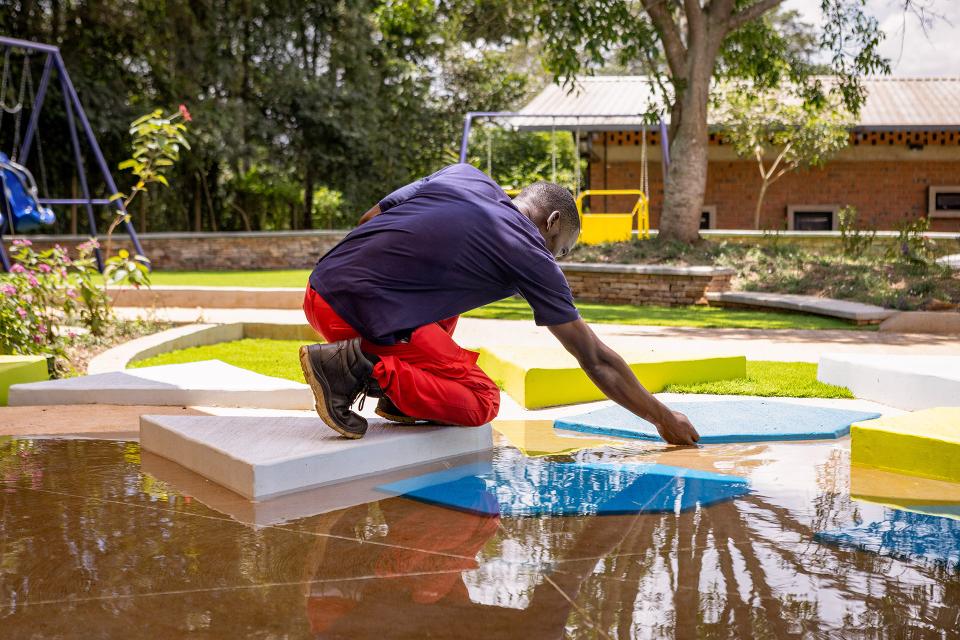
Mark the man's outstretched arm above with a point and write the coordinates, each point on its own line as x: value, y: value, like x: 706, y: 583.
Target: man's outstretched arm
x: 613, y: 375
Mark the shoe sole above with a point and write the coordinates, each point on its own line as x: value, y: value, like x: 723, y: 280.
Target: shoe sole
x: 320, y: 393
x: 394, y: 418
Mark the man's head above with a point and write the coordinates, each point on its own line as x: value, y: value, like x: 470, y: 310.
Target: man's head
x: 553, y: 210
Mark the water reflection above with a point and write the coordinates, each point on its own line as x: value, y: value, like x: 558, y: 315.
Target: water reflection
x: 92, y: 547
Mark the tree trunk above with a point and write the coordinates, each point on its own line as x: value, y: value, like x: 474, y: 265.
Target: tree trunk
x: 756, y: 213
x: 687, y: 176
x: 308, y: 182
x: 197, y: 209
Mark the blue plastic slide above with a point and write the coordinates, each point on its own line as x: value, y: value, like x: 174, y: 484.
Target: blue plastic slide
x: 21, y: 192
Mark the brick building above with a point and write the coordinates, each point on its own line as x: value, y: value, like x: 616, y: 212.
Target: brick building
x: 903, y: 160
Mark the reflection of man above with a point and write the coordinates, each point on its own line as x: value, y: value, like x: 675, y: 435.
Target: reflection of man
x: 388, y: 296
x: 420, y: 561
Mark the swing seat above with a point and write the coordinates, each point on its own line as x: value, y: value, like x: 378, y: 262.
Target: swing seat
x: 26, y: 212
x: 597, y: 228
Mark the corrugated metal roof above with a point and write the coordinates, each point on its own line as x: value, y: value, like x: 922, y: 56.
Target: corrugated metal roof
x: 931, y: 103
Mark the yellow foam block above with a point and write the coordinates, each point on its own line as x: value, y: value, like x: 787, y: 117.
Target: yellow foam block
x: 923, y: 443
x: 597, y: 228
x: 546, y: 377
x: 538, y: 438
x: 20, y: 369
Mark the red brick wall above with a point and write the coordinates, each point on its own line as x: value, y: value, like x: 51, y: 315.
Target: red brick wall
x: 883, y: 192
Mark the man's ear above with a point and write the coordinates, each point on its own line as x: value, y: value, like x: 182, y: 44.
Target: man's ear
x: 553, y: 221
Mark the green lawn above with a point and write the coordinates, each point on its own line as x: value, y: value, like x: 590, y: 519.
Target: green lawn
x: 278, y: 358
x: 692, y: 316
x: 517, y: 309
x: 769, y: 378
x: 271, y: 278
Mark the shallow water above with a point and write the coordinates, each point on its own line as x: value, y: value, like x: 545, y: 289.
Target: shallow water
x: 93, y: 546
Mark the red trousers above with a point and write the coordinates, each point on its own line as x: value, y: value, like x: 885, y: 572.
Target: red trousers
x: 429, y: 377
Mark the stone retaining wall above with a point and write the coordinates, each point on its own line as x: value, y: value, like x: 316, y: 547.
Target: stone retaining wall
x: 221, y: 251
x: 645, y: 284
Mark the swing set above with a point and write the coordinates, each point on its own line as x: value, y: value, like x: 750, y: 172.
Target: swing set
x: 23, y: 208
x: 595, y: 228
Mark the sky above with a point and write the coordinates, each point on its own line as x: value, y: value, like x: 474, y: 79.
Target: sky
x: 911, y: 51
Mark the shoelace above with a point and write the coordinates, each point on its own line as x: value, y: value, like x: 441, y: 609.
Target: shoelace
x: 364, y: 388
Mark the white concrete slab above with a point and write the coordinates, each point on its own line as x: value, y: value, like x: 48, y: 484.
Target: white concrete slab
x: 265, y: 456
x: 845, y: 309
x: 294, y: 506
x: 904, y: 382
x: 205, y: 383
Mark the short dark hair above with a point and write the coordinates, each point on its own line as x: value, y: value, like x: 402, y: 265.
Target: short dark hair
x: 548, y: 197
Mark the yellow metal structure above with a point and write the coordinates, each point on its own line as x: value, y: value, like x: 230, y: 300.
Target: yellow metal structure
x: 597, y: 228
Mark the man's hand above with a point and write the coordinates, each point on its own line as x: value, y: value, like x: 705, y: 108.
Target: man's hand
x: 677, y: 429
x: 608, y: 371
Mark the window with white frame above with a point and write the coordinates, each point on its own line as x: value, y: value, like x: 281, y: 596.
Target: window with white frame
x: 944, y: 202
x: 812, y: 217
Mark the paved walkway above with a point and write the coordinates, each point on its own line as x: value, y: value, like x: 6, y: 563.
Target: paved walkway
x: 800, y: 345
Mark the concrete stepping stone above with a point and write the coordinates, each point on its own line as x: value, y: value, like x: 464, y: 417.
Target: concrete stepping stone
x: 18, y: 370
x: 520, y: 487
x: 265, y: 456
x: 539, y: 377
x: 857, y: 312
x: 207, y: 383
x: 923, y: 443
x: 727, y: 421
x: 901, y: 381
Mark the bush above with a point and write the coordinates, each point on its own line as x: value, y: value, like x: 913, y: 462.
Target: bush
x: 44, y: 294
x: 853, y: 240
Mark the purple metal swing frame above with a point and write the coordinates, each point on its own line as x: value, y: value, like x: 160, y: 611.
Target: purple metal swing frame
x: 74, y: 110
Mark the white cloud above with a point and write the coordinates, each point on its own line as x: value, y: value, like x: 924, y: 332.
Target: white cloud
x: 911, y: 50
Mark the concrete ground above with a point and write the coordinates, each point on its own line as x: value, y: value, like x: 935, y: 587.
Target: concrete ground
x: 795, y: 345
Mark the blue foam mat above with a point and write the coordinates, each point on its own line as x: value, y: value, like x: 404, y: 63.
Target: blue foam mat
x: 904, y: 535
x: 727, y: 421
x: 533, y: 487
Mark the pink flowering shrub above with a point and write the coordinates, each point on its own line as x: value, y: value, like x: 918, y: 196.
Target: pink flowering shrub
x: 46, y: 291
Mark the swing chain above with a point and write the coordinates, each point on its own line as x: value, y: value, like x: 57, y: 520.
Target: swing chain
x: 553, y: 150
x: 19, y: 109
x: 644, y: 174
x: 43, y: 165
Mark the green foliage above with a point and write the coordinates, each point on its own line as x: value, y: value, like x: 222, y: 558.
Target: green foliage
x: 913, y: 247
x: 853, y: 240
x: 515, y: 159
x: 156, y: 142
x: 45, y: 293
x: 758, y: 122
x: 355, y: 98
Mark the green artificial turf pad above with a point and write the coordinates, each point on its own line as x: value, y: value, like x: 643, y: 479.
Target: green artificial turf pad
x: 277, y: 358
x: 771, y: 379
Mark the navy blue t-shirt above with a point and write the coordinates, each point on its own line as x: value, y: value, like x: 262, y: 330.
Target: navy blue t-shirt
x: 443, y: 245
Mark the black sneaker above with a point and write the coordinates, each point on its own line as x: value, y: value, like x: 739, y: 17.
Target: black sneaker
x: 338, y: 373
x: 386, y: 409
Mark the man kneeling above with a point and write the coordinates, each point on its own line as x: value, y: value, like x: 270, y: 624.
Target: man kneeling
x: 387, y: 299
